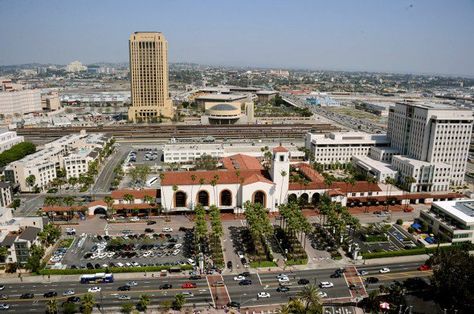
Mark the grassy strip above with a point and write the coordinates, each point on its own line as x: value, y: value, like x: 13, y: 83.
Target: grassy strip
x: 291, y: 262
x: 115, y: 270
x: 66, y: 242
x: 263, y: 264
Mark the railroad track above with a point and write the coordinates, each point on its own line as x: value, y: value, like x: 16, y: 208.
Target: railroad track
x: 185, y: 131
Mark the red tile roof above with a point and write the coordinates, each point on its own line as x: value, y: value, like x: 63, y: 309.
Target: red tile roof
x: 138, y: 194
x: 97, y: 203
x: 133, y: 206
x: 360, y: 186
x: 256, y: 178
x: 280, y: 149
x: 63, y: 208
x: 241, y: 162
x: 225, y: 177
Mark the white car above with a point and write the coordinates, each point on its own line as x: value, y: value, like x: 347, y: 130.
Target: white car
x: 240, y: 254
x: 167, y: 229
x: 384, y: 270
x: 191, y: 262
x: 134, y: 219
x: 283, y: 279
x: 69, y: 292
x: 94, y: 289
x: 263, y: 295
x: 187, y: 293
x: 326, y: 284
x: 124, y: 297
x: 239, y: 278
x: 178, y: 245
x: 132, y: 283
x: 4, y: 306
x: 362, y: 273
x: 120, y: 264
x: 176, y: 252
x: 282, y: 276
x: 322, y: 294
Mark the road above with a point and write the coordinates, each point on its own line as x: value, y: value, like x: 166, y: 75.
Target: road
x: 204, y: 294
x: 106, y: 176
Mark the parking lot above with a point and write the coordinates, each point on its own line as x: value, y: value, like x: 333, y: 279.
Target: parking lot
x: 131, y: 249
x: 147, y: 156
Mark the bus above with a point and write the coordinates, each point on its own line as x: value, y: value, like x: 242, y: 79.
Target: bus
x: 97, y: 278
x: 151, y: 181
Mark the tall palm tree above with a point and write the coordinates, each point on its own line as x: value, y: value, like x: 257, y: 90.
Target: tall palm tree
x: 129, y: 198
x: 283, y: 174
x: 88, y: 303
x: 52, y: 307
x: 309, y: 295
x: 144, y: 301
x: 193, y: 178
x: 109, y: 201
x: 30, y: 180
x: 163, y: 202
x: 214, y: 182
x: 389, y: 181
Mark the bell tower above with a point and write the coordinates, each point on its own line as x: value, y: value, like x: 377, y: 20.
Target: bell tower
x: 280, y: 172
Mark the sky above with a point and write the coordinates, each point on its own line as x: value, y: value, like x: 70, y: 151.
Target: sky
x: 402, y: 36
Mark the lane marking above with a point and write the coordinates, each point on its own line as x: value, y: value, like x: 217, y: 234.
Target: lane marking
x: 258, y: 276
x: 212, y: 296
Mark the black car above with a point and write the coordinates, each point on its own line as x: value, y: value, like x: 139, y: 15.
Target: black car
x: 50, y: 294
x: 27, y: 296
x: 195, y: 277
x: 283, y: 289
x: 124, y: 288
x: 372, y: 280
x: 149, y: 230
x: 245, y: 282
x: 303, y: 281
x: 151, y: 222
x: 166, y: 286
x: 233, y: 304
x: 73, y: 300
x: 336, y: 275
x: 229, y: 264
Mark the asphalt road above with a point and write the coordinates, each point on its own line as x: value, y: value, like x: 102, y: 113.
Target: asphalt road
x: 106, y: 176
x: 245, y: 295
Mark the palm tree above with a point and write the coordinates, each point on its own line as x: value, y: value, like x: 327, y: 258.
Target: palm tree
x: 72, y: 181
x: 179, y: 301
x: 129, y: 198
x: 68, y: 201
x: 88, y: 303
x: 309, y: 295
x: 149, y: 200
x: 109, y: 201
x: 143, y: 302
x: 3, y: 253
x: 283, y: 174
x: 30, y: 180
x: 163, y: 202
x: 216, y: 223
x: 52, y: 307
x: 389, y: 181
x: 193, y: 178
x: 214, y: 181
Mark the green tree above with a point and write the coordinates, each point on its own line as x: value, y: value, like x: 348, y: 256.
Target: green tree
x: 179, y: 301
x: 16, y: 152
x: 283, y: 173
x: 50, y: 234
x: 73, y: 181
x: 16, y: 203
x: 34, y: 261
x: 193, y: 178
x: 3, y: 253
x: 52, y: 306
x: 163, y: 203
x: 109, y: 201
x: 166, y: 305
x: 127, y: 308
x: 309, y: 295
x: 213, y: 182
x: 88, y: 303
x: 69, y: 308
x: 143, y: 302
x: 294, y: 306
x: 30, y: 180
x: 216, y: 223
x: 200, y: 224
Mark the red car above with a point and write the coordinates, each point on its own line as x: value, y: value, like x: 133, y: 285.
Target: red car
x: 188, y: 285
x: 424, y: 267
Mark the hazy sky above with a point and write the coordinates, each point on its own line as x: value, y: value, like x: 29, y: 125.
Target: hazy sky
x: 431, y: 36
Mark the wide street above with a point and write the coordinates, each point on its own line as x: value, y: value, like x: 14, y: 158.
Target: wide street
x: 205, y: 294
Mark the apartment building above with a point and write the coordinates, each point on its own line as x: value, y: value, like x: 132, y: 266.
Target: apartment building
x: 8, y: 139
x: 341, y: 146
x: 18, y: 234
x: 71, y: 152
x: 6, y: 194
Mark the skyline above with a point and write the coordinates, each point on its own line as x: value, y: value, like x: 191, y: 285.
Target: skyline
x: 369, y: 36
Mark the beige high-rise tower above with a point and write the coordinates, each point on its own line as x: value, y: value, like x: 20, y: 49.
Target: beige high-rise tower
x: 149, y: 77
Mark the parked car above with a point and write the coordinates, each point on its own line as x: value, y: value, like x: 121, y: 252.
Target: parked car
x: 303, y: 281
x: 263, y: 295
x: 167, y: 229
x: 229, y: 264
x: 326, y: 284
x: 384, y: 270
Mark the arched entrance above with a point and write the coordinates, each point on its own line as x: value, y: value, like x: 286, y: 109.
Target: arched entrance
x: 203, y: 198
x: 292, y: 198
x: 180, y: 199
x: 260, y: 198
x: 304, y: 199
x: 226, y: 198
x: 315, y: 199
x: 100, y: 211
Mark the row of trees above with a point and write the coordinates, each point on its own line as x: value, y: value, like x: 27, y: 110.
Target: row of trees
x: 139, y: 174
x: 260, y: 228
x: 307, y: 301
x: 337, y: 217
x: 16, y: 152
x: 201, y: 230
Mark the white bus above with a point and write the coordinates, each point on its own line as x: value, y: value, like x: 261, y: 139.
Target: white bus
x: 151, y: 181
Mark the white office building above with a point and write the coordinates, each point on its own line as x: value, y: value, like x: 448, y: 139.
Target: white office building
x: 433, y: 133
x: 8, y: 139
x: 374, y: 168
x: 341, y: 146
x: 453, y: 220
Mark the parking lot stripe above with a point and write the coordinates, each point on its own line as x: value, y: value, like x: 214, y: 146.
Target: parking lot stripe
x: 260, y: 280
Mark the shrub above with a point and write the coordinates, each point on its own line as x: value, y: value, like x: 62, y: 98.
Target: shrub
x: 111, y: 269
x: 411, y: 229
x: 16, y: 152
x: 291, y: 262
x: 258, y: 264
x: 399, y: 222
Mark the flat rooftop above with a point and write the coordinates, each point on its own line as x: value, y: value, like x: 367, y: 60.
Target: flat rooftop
x: 461, y: 209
